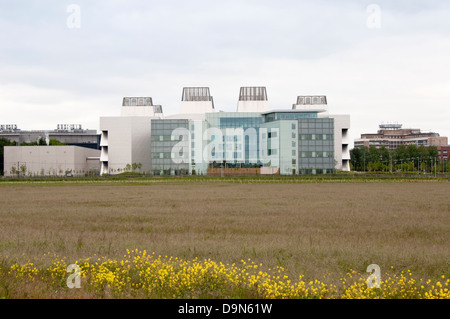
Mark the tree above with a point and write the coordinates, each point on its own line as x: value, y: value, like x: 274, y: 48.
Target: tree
x: 400, y: 153
x: 41, y: 141
x: 433, y: 152
x: 355, y: 155
x: 23, y: 169
x: 359, y: 158
x: 412, y: 152
x: 53, y: 141
x: 405, y: 158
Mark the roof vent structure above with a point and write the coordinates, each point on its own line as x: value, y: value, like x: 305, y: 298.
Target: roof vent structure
x: 196, y: 100
x: 140, y: 106
x: 253, y: 99
x: 255, y: 93
x: 137, y: 101
x: 311, y: 102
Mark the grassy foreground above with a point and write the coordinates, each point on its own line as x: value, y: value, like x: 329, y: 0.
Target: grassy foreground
x: 224, y: 239
x: 141, y: 275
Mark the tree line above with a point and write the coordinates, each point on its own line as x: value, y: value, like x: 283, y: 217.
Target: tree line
x: 410, y: 158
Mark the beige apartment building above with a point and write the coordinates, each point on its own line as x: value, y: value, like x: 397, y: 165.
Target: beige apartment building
x: 393, y: 135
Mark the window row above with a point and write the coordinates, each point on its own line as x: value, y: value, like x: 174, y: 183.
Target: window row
x: 165, y: 138
x: 168, y: 155
x: 313, y: 137
x: 316, y: 154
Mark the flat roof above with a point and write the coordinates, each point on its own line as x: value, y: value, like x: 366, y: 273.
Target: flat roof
x: 295, y: 111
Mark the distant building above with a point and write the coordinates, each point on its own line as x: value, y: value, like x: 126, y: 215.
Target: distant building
x: 392, y: 136
x: 444, y: 152
x: 303, y: 139
x: 69, y: 134
x: 50, y: 160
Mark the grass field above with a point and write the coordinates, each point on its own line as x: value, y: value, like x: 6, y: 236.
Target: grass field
x: 322, y: 231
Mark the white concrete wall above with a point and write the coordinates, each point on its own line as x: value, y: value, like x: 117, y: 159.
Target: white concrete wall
x: 287, y: 145
x: 196, y: 107
x: 141, y: 143
x: 341, y: 140
x: 192, y: 116
x: 139, y: 111
x: 50, y: 160
x: 253, y: 106
x: 321, y: 108
x: 128, y: 141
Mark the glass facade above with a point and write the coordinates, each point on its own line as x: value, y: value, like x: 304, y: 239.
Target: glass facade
x: 316, y: 146
x: 238, y: 147
x: 170, y: 147
x: 275, y: 116
x: 294, y: 142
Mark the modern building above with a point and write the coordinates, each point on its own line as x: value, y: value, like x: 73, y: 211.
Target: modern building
x: 392, y: 136
x: 50, y: 160
x: 300, y: 140
x: 69, y: 134
x: 126, y: 139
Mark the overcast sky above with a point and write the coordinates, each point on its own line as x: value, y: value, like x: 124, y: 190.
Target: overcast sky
x: 382, y: 63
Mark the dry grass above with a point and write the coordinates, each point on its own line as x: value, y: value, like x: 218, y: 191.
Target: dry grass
x: 320, y: 230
